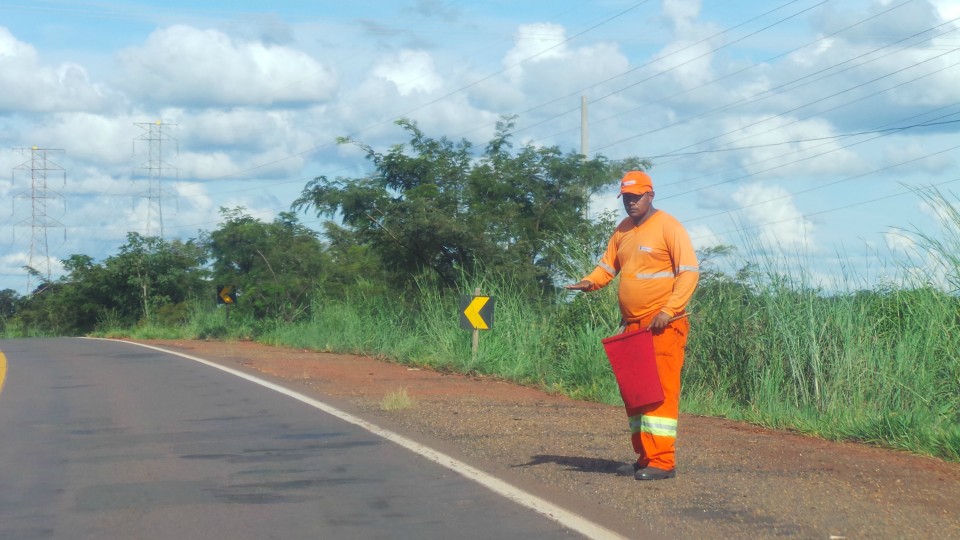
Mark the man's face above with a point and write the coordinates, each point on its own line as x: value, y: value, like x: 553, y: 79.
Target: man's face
x: 637, y: 205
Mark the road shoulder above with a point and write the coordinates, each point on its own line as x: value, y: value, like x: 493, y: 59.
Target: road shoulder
x: 734, y: 479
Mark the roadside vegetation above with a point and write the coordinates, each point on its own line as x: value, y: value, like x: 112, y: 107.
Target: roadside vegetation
x: 876, y: 364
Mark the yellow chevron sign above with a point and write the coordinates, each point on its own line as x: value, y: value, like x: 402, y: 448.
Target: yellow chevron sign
x: 225, y: 295
x: 476, y: 312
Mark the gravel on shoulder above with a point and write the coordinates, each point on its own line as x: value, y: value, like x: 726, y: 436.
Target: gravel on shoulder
x: 734, y: 480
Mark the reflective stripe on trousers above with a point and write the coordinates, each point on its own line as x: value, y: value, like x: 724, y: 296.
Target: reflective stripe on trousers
x: 653, y: 428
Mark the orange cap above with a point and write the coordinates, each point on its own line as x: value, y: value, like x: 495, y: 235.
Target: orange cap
x: 636, y: 182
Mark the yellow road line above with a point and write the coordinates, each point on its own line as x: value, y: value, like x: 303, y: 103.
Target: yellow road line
x: 3, y: 369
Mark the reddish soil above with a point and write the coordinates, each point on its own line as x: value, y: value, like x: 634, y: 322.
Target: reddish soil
x: 734, y: 480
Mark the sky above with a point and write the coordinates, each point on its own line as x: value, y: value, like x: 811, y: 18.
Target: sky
x: 800, y: 131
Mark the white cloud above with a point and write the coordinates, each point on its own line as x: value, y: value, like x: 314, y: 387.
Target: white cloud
x: 535, y: 43
x: 209, y: 164
x: 12, y: 266
x: 30, y: 86
x: 541, y: 80
x: 905, y: 19
x: 257, y: 104
x: 939, y: 83
x: 899, y: 242
x: 188, y: 66
x: 410, y: 71
x: 948, y: 9
x: 13, y: 263
x: 689, y: 63
x: 13, y: 50
x: 704, y: 236
x: 687, y: 59
x: 870, y: 71
x: 813, y: 54
x: 89, y: 181
x: 566, y: 74
x: 809, y: 151
x: 97, y: 138
x: 682, y: 13
x: 943, y: 211
x: 771, y: 211
x: 195, y: 193
x: 457, y: 115
x: 917, y: 155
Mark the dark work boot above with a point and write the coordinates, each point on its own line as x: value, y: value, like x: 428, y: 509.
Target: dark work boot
x: 630, y: 469
x: 653, y: 473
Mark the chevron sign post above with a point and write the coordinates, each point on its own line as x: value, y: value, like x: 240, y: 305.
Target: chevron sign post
x: 476, y: 313
x: 227, y: 297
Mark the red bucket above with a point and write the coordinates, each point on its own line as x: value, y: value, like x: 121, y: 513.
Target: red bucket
x: 635, y: 367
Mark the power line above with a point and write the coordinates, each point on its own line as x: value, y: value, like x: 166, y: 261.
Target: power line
x: 783, y: 113
x: 828, y: 184
x: 445, y: 96
x: 771, y: 91
x: 450, y: 94
x: 645, y: 64
x: 525, y: 60
x: 245, y: 189
x: 780, y: 156
x: 821, y: 212
x: 708, y: 53
x: 798, y: 141
x: 848, y: 103
x: 606, y: 20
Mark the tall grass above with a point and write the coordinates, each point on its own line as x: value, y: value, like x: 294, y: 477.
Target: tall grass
x: 424, y: 329
x: 202, y: 321
x: 879, y: 365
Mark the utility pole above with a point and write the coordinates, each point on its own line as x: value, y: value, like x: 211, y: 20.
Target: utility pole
x: 155, y: 166
x: 584, y: 150
x: 39, y: 222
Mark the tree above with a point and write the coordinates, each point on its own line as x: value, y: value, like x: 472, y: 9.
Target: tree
x: 432, y: 205
x: 8, y: 303
x: 274, y: 266
x: 150, y: 272
x: 9, y: 299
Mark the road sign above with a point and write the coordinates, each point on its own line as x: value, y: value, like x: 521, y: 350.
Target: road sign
x: 225, y: 295
x: 476, y: 312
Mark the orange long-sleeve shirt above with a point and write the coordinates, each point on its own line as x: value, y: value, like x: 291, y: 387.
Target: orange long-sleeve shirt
x: 657, y: 265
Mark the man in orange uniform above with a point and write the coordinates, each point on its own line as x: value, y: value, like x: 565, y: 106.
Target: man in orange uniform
x: 658, y: 269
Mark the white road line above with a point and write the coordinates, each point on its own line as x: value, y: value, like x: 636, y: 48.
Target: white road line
x: 564, y: 517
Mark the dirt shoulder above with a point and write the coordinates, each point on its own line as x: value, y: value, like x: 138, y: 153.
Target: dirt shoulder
x: 734, y: 480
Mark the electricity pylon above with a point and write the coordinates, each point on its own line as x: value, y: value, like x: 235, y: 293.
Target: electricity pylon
x: 39, y: 194
x: 157, y: 169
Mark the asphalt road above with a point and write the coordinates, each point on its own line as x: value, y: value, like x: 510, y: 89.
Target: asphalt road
x: 107, y: 440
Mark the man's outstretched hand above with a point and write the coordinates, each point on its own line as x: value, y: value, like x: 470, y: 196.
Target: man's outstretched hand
x: 582, y: 285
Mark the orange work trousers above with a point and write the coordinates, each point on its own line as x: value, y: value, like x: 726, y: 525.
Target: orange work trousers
x: 653, y: 427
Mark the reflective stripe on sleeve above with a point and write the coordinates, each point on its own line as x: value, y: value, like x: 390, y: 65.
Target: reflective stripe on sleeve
x: 607, y: 268
x: 690, y: 269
